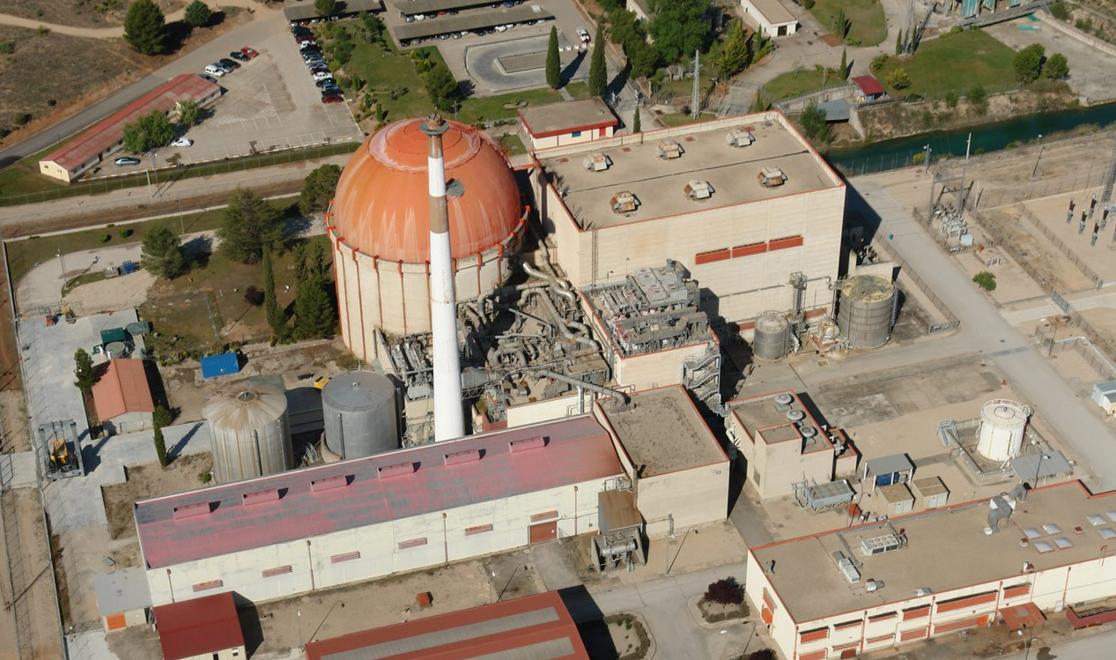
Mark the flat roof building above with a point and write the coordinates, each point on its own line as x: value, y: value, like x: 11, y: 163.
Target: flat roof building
x: 771, y: 17
x: 122, y: 598
x: 742, y: 203
x: 305, y: 11
x: 536, y: 627
x: 933, y: 572
x: 570, y: 122
x: 91, y: 147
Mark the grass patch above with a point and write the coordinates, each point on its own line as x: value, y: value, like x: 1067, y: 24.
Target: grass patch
x: 23, y: 176
x: 84, y: 278
x: 682, y: 118
x: 796, y: 83
x: 392, y: 79
x: 955, y: 62
x: 866, y: 17
x: 512, y: 145
x: 489, y: 108
x: 579, y: 89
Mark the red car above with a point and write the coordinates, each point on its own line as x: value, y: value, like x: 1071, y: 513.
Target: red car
x: 249, y: 52
x: 331, y: 98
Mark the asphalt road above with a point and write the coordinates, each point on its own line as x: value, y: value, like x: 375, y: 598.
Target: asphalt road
x: 264, y: 22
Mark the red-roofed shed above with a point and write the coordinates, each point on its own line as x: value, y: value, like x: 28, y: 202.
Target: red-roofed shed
x: 535, y: 627
x: 106, y: 136
x: 870, y: 88
x: 122, y: 397
x: 201, y: 628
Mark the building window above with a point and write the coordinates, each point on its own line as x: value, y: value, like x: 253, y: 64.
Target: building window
x: 206, y: 586
x: 412, y: 543
x: 478, y: 529
x: 575, y: 134
x: 712, y: 255
x: 347, y: 556
x: 278, y: 570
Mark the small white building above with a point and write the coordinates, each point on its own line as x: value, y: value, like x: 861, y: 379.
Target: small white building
x: 1104, y: 395
x: 910, y: 578
x: 570, y: 122
x: 122, y: 598
x: 770, y: 17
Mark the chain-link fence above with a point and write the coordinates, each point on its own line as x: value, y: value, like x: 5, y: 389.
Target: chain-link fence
x: 141, y: 179
x: 1083, y: 179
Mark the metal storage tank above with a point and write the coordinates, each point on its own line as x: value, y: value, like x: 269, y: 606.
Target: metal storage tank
x: 360, y: 414
x: 251, y: 433
x: 866, y: 310
x: 1002, y: 426
x: 769, y: 341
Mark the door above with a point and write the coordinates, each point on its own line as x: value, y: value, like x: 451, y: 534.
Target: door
x: 543, y: 532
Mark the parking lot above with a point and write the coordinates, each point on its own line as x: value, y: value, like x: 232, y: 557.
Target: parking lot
x: 269, y: 103
x: 489, y: 60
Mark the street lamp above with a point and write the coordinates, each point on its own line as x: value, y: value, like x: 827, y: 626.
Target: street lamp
x: 1034, y: 172
x: 1038, y: 467
x: 929, y: 152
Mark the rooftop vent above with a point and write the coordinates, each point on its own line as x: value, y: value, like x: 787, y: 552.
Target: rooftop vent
x: 808, y: 432
x: 330, y: 483
x: 795, y: 415
x: 597, y: 162
x: 624, y: 202
x: 847, y: 568
x: 877, y: 545
x: 740, y: 137
x: 463, y: 456
x: 771, y: 177
x: 873, y: 585
x: 669, y: 150
x: 697, y: 189
x: 783, y: 402
x: 194, y: 510
x: 397, y: 470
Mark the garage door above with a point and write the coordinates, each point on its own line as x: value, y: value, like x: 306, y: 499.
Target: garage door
x: 543, y: 532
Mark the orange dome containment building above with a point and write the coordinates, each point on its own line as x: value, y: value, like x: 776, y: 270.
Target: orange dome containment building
x: 379, y: 227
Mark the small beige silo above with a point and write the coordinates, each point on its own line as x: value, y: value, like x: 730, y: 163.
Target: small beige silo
x: 251, y: 432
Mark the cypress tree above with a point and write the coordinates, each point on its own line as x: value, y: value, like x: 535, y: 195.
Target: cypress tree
x: 635, y: 122
x: 145, y: 27
x: 844, y: 64
x: 271, y: 305
x: 899, y: 43
x: 598, y: 73
x: 553, y: 64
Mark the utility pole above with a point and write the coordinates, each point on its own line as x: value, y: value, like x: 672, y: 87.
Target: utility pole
x: 1034, y: 172
x: 695, y: 99
x: 964, y: 164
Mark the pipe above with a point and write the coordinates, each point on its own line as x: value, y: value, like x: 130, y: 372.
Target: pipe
x: 449, y: 416
x: 560, y: 287
x: 615, y: 395
x: 560, y: 323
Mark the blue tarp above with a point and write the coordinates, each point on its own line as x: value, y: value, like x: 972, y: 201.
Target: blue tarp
x: 219, y: 365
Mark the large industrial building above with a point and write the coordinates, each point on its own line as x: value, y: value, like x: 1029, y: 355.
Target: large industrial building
x: 326, y: 526
x: 744, y: 204
x: 933, y: 573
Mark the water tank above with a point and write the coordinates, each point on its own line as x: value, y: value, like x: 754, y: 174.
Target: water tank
x: 770, y: 339
x: 866, y: 310
x: 360, y: 414
x: 1002, y: 424
x: 251, y: 433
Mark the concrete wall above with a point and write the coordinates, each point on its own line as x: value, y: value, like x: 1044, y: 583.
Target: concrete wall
x: 691, y: 497
x: 224, y: 654
x: 541, y: 411
x: 741, y: 288
x: 1050, y: 590
x: 128, y: 423
x: 318, y: 562
x: 651, y: 370
x: 773, y: 469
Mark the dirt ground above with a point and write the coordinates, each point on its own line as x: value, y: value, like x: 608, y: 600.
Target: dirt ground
x: 80, y: 13
x: 1015, y: 237
x: 37, y: 608
x: 145, y: 481
x: 110, y: 295
x: 13, y: 414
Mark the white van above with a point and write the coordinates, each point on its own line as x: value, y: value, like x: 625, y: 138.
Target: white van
x: 214, y: 70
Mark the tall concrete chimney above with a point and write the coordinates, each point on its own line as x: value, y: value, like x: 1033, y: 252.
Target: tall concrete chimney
x: 449, y: 417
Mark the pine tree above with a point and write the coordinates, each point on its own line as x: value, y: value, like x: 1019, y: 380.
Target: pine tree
x: 160, y: 418
x: 84, y: 376
x: 736, y: 52
x: 162, y: 254
x: 145, y: 27
x: 598, y: 72
x: 635, y: 121
x: 198, y: 14
x: 553, y: 63
x: 250, y: 226
x: 844, y: 70
x: 271, y: 304
x: 314, y: 313
x: 899, y: 43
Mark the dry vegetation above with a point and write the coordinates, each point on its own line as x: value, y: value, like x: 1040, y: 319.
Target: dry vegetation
x: 79, y: 13
x: 146, y: 481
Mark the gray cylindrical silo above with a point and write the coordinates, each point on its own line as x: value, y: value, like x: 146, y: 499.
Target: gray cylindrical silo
x: 865, y: 312
x: 360, y: 415
x: 251, y: 433
x: 769, y: 340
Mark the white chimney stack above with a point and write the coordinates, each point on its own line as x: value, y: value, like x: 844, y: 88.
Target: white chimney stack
x: 449, y: 417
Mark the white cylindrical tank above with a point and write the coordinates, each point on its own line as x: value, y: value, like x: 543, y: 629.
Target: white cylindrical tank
x: 769, y: 342
x: 360, y: 414
x: 251, y: 432
x: 1002, y: 426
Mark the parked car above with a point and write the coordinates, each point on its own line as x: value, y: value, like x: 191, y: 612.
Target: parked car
x: 331, y: 88
x: 250, y: 53
x: 228, y: 64
x: 331, y: 98
x: 325, y: 82
x: 126, y: 161
x: 501, y: 28
x: 322, y: 75
x: 304, y: 39
x: 214, y: 70
x: 583, y: 34
x: 183, y: 142
x: 206, y: 76
x: 238, y: 56
x: 320, y: 68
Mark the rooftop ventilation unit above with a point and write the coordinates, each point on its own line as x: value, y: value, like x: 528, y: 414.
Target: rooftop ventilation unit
x: 847, y: 568
x: 624, y: 202
x: 795, y: 415
x: 740, y: 137
x: 697, y: 189
x: 877, y: 545
x: 597, y: 162
x: 783, y: 402
x: 771, y: 177
x: 669, y: 150
x: 873, y: 585
x: 808, y: 432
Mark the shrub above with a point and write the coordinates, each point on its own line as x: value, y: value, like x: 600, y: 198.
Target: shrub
x: 808, y: 4
x: 7, y: 47
x: 951, y: 99
x: 1056, y: 68
x: 253, y: 296
x: 898, y: 78
x: 22, y: 118
x: 1028, y: 63
x: 985, y: 280
x: 878, y: 62
x: 726, y: 591
x: 1059, y: 10
x: 105, y: 238
x: 125, y: 233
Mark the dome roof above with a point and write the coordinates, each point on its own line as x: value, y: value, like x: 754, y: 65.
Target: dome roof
x: 381, y: 207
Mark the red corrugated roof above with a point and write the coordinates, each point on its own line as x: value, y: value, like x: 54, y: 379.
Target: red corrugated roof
x: 198, y: 626
x: 869, y: 85
x: 122, y: 389
x: 110, y: 130
x: 376, y: 489
x: 448, y: 636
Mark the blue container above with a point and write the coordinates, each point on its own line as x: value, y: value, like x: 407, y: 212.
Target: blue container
x: 222, y: 364
x: 128, y: 267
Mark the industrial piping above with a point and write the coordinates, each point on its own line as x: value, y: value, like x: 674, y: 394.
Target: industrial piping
x: 449, y: 416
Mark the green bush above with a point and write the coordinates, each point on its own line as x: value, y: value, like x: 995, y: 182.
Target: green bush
x: 125, y: 233
x: 951, y: 99
x: 878, y: 62
x: 1059, y: 10
x: 898, y: 78
x: 105, y: 238
x: 985, y: 280
x: 808, y: 4
x: 7, y: 47
x: 22, y: 118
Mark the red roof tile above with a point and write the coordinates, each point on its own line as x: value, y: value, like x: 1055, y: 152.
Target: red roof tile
x: 532, y: 621
x: 379, y: 488
x: 198, y: 626
x: 110, y: 130
x: 869, y: 85
x: 122, y: 389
